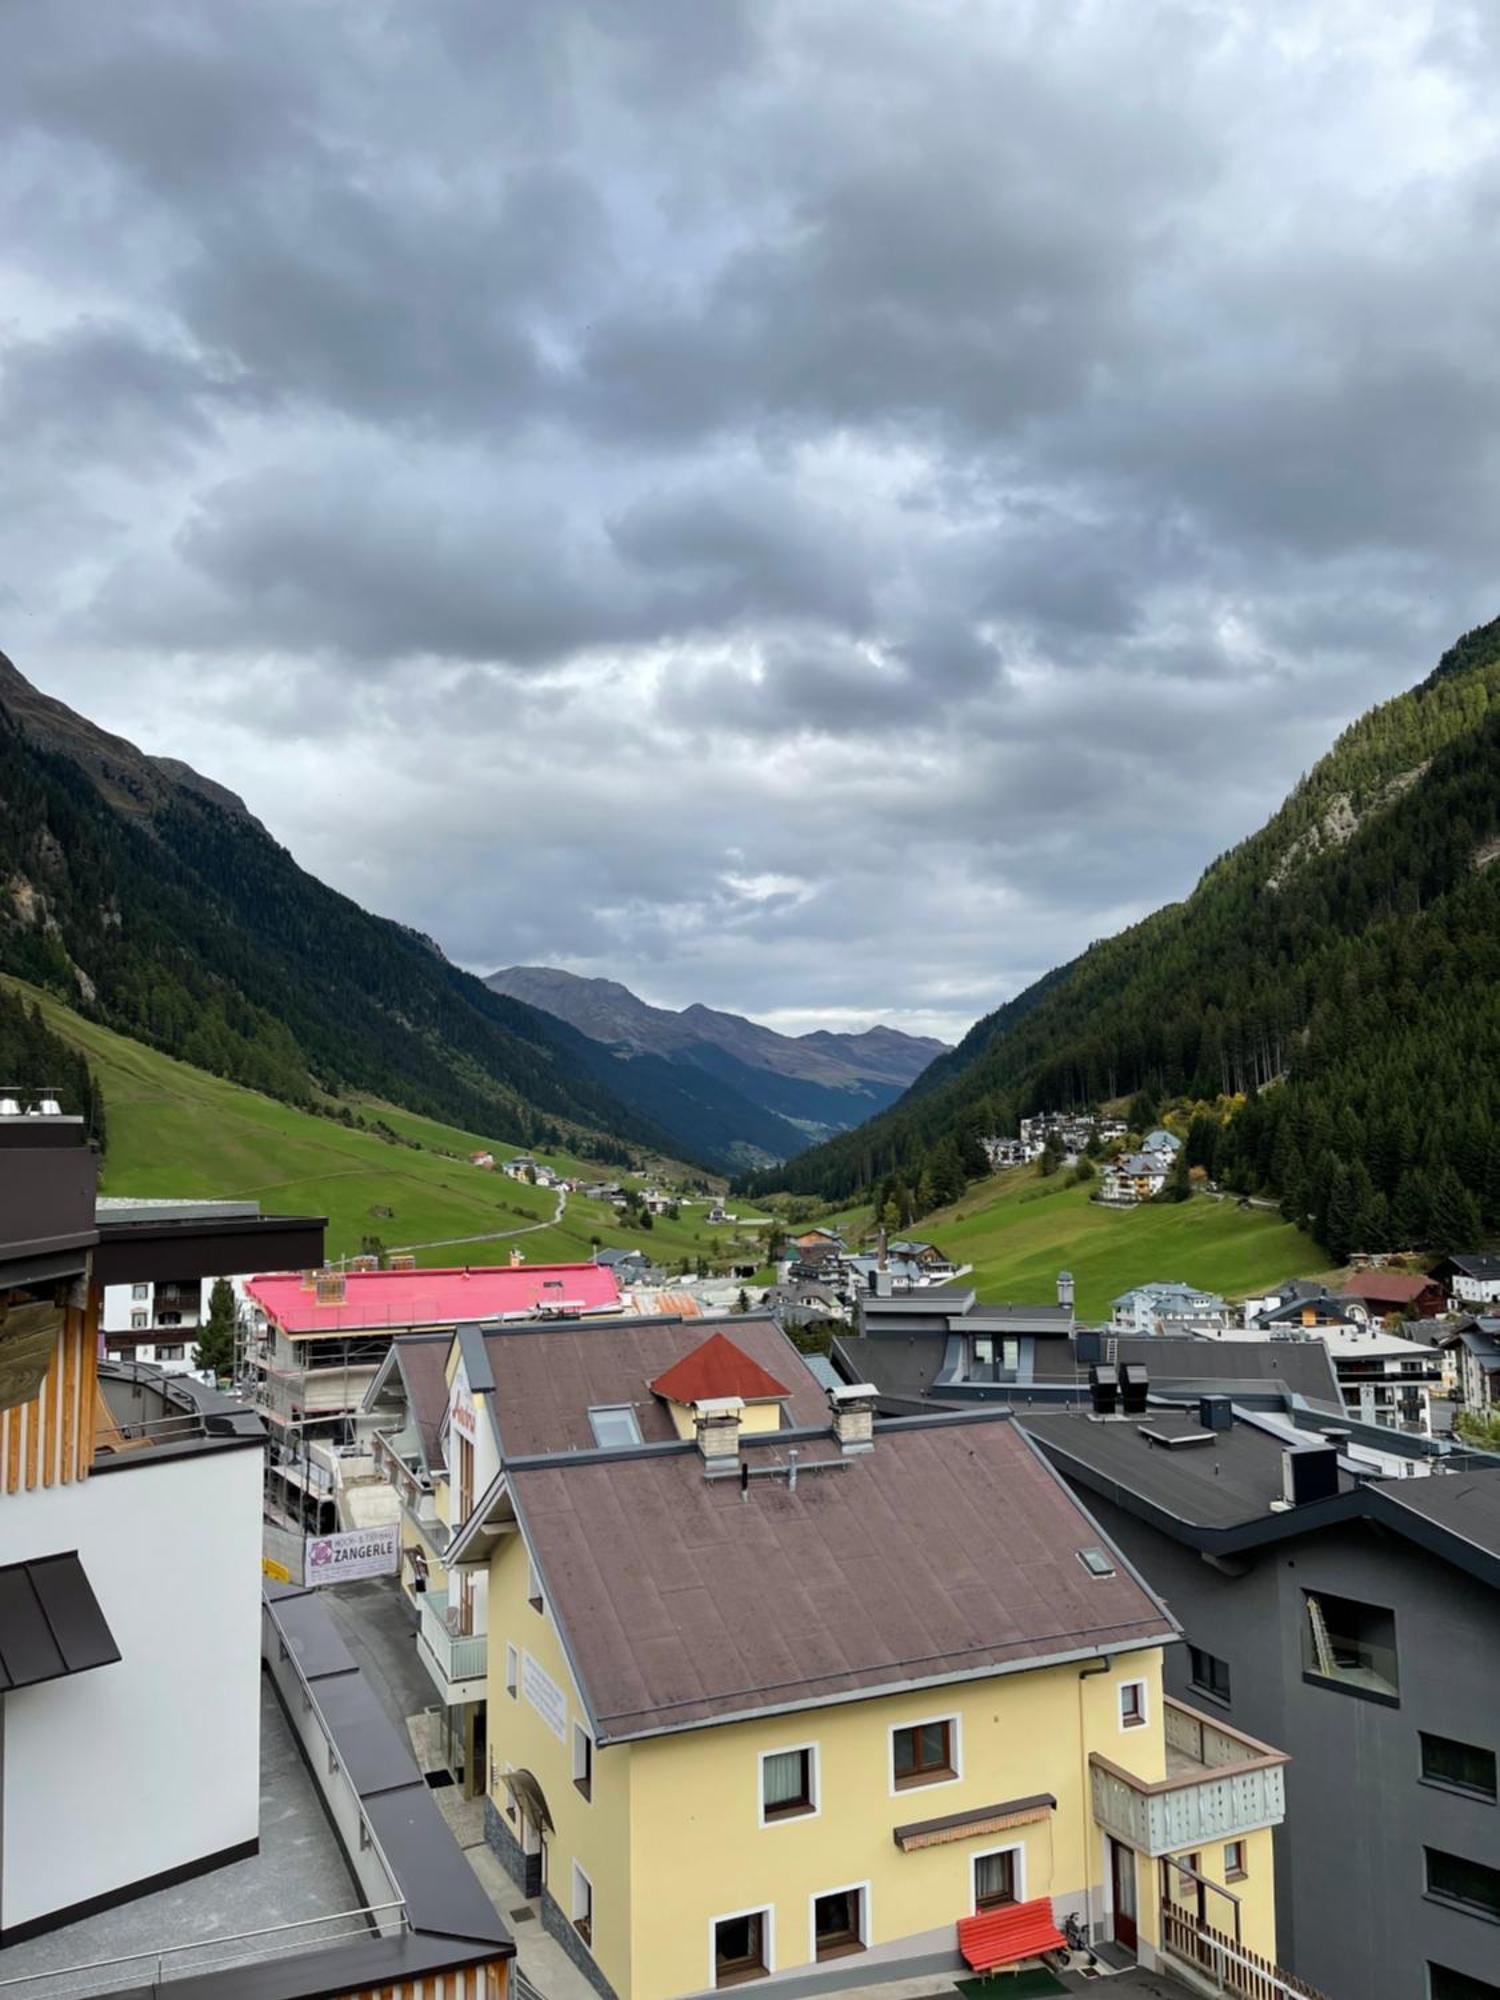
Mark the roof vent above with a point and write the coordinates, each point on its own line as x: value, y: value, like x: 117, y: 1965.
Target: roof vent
x: 1096, y: 1561
x: 330, y: 1288
x: 10, y: 1107
x: 1134, y: 1382
x: 1104, y: 1388
x: 1216, y: 1413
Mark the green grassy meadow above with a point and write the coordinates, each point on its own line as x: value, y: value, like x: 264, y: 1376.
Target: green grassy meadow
x: 1019, y: 1230
x: 175, y: 1130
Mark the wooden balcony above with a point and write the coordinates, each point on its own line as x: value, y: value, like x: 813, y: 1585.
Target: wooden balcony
x: 1219, y: 1785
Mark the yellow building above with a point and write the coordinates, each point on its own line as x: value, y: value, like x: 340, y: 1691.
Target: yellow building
x: 800, y: 1686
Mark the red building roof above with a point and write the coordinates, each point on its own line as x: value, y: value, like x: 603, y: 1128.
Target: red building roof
x: 399, y: 1301
x: 1392, y: 1287
x: 718, y: 1368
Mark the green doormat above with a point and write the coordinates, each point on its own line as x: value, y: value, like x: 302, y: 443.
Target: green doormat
x: 1029, y: 1985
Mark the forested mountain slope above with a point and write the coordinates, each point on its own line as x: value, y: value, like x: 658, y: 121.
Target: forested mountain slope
x: 1348, y: 954
x: 149, y: 898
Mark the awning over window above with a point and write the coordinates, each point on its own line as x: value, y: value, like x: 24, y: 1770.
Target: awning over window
x: 50, y: 1623
x: 983, y: 1819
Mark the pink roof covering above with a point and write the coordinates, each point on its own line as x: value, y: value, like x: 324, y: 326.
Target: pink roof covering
x: 405, y: 1299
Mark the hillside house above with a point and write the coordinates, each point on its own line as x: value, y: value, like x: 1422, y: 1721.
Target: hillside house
x: 1134, y: 1177
x: 1470, y: 1281
x: 1162, y: 1145
x: 1474, y: 1344
x: 1407, y: 1294
x: 1169, y: 1308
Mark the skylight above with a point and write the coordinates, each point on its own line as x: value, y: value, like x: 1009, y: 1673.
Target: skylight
x: 1096, y: 1562
x: 615, y: 1424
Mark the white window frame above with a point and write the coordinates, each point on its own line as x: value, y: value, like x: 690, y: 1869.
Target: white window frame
x: 512, y: 1672
x: 582, y: 1875
x: 1145, y: 1714
x: 139, y: 1321
x: 860, y: 1889
x: 580, y: 1770
x: 140, y: 1291
x: 768, y: 1932
x: 815, y: 1772
x: 955, y: 1744
x: 1015, y: 1847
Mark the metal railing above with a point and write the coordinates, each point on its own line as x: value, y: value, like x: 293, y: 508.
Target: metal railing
x: 1233, y: 1968
x: 204, y: 1955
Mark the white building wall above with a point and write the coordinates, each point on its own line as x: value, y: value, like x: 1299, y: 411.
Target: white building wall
x: 110, y: 1777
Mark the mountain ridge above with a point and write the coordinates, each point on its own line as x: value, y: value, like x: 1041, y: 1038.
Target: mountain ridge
x: 771, y: 1094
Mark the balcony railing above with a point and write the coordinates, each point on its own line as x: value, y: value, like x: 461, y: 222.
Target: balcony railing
x: 1219, y: 1785
x: 459, y: 1656
x: 1230, y: 1965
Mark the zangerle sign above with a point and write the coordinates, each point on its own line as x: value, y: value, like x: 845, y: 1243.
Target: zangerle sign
x: 362, y: 1552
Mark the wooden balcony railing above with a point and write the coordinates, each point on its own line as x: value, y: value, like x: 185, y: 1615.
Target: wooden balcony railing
x: 1234, y: 1968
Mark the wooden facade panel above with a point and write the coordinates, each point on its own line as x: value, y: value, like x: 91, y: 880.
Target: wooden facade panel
x: 51, y: 1438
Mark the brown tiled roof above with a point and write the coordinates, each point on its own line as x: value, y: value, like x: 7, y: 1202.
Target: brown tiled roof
x: 949, y: 1549
x: 1396, y: 1287
x: 547, y: 1379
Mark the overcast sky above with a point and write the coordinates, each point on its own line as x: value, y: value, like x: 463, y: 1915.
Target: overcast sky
x: 820, y: 508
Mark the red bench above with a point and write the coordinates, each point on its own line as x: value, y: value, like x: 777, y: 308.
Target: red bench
x: 1005, y: 1936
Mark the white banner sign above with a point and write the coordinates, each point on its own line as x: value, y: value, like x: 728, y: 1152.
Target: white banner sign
x: 362, y: 1552
x: 545, y: 1696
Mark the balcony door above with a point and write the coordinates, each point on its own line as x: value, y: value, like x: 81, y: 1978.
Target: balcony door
x: 1122, y: 1894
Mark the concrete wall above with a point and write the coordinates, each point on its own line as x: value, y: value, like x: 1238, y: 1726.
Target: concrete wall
x: 151, y: 1764
x: 1353, y: 1917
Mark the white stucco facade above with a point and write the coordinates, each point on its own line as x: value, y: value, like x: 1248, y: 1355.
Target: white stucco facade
x: 114, y: 1776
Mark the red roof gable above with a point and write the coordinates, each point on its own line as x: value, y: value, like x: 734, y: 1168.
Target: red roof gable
x: 718, y: 1368
x: 1398, y: 1286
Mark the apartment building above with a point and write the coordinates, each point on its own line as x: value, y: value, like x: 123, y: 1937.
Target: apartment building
x: 1353, y: 1620
x: 767, y: 1690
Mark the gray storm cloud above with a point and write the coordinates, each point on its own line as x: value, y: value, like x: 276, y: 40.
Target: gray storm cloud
x: 815, y: 509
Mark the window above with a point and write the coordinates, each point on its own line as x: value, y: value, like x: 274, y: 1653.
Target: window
x: 1132, y: 1704
x: 464, y: 1482
x: 1462, y: 1767
x: 838, y: 1922
x: 583, y: 1905
x: 1350, y: 1644
x: 1444, y: 1984
x: 997, y: 1878
x: 788, y: 1784
x: 533, y: 1585
x: 742, y: 1947
x: 172, y: 1352
x: 1468, y: 1885
x: 1234, y: 1861
x: 512, y: 1671
x: 170, y: 1319
x: 615, y: 1424
x: 140, y: 1319
x: 1208, y: 1674
x: 925, y: 1754
x: 140, y: 1291
x: 583, y: 1760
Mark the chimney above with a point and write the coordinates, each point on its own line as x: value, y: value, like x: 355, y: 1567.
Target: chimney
x: 1134, y: 1388
x: 883, y: 1254
x: 853, y: 1406
x: 1104, y: 1388
x: 309, y: 1281
x: 329, y: 1286
x: 1216, y: 1413
x: 1065, y: 1289
x: 716, y: 1422
x: 517, y: 1256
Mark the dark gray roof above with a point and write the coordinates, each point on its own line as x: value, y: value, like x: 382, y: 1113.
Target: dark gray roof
x: 1221, y: 1484
x: 1172, y: 1361
x: 1476, y: 1265
x: 950, y: 1549
x: 548, y: 1377
x: 422, y: 1359
x: 1465, y: 1504
x: 903, y: 1369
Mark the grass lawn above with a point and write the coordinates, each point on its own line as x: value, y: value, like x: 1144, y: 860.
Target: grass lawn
x: 1019, y: 1230
x: 175, y: 1130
